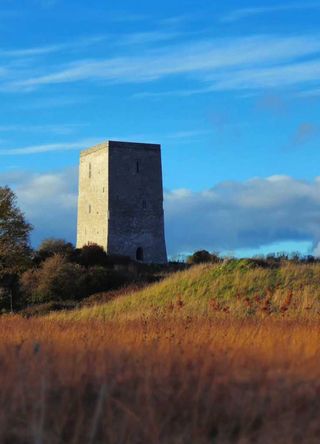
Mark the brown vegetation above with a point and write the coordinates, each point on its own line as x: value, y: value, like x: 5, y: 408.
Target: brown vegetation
x: 192, y: 380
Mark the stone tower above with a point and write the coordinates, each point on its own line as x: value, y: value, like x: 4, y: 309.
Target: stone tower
x: 120, y: 204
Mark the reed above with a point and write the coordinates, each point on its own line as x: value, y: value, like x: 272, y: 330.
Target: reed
x: 170, y: 380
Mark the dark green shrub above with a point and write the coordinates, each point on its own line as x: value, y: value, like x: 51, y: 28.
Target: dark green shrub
x: 97, y: 279
x: 91, y: 255
x: 49, y: 247
x: 203, y: 256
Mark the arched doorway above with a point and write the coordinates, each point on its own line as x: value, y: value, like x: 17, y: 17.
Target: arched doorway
x: 139, y: 254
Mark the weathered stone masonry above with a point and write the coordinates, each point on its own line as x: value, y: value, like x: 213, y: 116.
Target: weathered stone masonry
x: 120, y: 203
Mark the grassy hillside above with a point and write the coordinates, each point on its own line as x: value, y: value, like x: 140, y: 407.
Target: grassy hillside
x: 240, y: 288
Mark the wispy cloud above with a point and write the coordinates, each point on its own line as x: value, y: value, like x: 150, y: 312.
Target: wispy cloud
x: 145, y: 38
x: 243, y: 13
x: 126, y: 39
x: 203, y: 59
x: 125, y: 17
x: 188, y: 134
x: 268, y: 77
x: 60, y: 129
x: 309, y: 93
x: 37, y: 149
x: 80, y: 43
x: 183, y: 135
x: 54, y: 102
x: 178, y: 20
x: 173, y: 93
x: 254, y: 78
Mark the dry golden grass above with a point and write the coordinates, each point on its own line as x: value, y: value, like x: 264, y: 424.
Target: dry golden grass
x: 173, y: 381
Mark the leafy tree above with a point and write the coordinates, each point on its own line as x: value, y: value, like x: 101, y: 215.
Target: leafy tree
x: 14, y: 235
x: 14, y: 242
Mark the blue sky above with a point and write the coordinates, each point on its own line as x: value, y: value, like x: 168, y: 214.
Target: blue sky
x: 230, y: 89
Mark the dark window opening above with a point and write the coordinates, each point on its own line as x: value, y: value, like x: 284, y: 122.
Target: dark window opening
x: 89, y: 208
x: 137, y: 166
x: 90, y: 171
x: 144, y: 204
x: 139, y: 254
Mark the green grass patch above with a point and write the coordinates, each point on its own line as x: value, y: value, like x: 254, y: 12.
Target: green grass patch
x: 238, y: 287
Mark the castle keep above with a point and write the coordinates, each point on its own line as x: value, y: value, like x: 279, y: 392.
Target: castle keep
x: 120, y: 203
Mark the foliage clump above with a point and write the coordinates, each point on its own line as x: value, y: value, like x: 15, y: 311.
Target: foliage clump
x: 202, y: 257
x: 14, y: 235
x: 15, y: 251
x: 51, y: 246
x: 56, y: 279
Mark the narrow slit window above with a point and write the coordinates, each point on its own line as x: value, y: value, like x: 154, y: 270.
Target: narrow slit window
x: 139, y: 254
x: 137, y: 166
x: 90, y: 170
x: 144, y: 204
x: 89, y: 209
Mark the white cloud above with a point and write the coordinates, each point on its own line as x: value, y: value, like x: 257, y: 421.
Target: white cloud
x: 243, y: 13
x: 145, y: 38
x: 113, y: 40
x: 49, y: 49
x: 229, y: 216
x: 54, y: 102
x: 178, y: 136
x: 235, y: 215
x: 210, y: 60
x: 61, y: 129
x: 253, y: 78
x: 36, y: 149
x: 267, y: 77
x: 49, y: 201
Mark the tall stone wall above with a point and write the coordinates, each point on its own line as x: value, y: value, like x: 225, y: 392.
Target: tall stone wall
x: 121, y: 200
x: 93, y: 197
x: 136, y: 201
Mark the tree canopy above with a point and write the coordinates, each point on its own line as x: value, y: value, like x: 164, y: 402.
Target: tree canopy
x: 14, y: 235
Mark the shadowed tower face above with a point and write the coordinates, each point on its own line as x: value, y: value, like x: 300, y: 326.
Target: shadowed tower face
x: 120, y: 204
